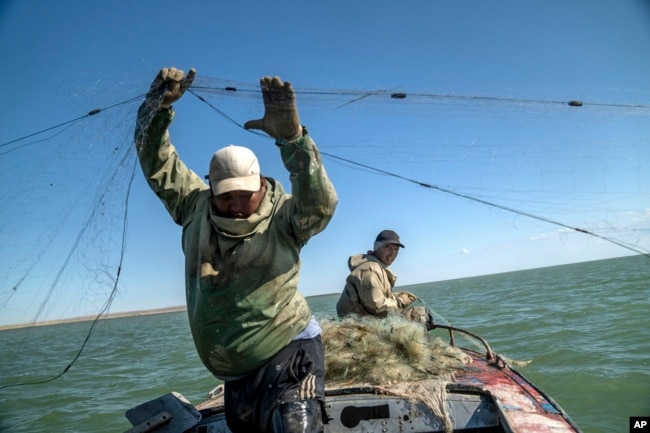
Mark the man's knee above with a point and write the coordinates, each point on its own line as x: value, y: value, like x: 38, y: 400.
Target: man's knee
x: 301, y: 416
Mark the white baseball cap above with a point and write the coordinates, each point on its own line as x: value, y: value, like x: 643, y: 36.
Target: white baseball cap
x: 234, y: 168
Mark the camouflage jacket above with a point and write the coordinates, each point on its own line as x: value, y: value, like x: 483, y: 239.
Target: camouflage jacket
x: 241, y: 275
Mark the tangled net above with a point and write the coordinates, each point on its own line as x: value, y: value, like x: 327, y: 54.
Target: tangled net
x: 394, y: 355
x: 385, y: 351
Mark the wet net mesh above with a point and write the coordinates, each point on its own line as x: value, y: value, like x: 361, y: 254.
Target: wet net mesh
x: 385, y: 351
x: 393, y: 355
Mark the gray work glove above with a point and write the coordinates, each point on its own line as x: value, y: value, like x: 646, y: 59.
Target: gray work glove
x: 281, y: 118
x: 404, y: 299
x: 168, y: 87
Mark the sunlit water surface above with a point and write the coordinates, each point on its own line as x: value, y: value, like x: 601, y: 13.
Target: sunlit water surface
x: 585, y: 326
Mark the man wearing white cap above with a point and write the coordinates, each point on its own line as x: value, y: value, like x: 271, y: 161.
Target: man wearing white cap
x: 242, y: 235
x: 369, y: 286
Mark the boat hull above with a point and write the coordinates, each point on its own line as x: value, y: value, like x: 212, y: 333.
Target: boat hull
x: 482, y: 397
x: 483, y: 394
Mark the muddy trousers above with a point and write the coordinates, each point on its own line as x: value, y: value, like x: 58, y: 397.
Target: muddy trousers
x: 301, y: 416
x: 283, y: 395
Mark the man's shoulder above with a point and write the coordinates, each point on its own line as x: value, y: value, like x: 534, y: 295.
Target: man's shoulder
x: 363, y: 261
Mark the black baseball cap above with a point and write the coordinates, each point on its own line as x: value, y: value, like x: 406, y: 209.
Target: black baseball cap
x: 389, y: 237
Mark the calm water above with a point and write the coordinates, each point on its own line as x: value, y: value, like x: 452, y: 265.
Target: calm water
x: 585, y: 326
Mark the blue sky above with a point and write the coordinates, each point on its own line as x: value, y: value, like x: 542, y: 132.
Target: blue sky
x: 584, y: 167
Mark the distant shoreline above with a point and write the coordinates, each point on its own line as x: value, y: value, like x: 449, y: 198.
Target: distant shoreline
x: 175, y: 309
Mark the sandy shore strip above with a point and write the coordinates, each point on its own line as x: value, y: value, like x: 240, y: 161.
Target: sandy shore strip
x: 104, y: 317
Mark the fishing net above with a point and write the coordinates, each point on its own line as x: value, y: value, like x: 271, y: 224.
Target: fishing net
x: 512, y: 159
x: 385, y: 351
x: 524, y: 157
x: 394, y: 355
